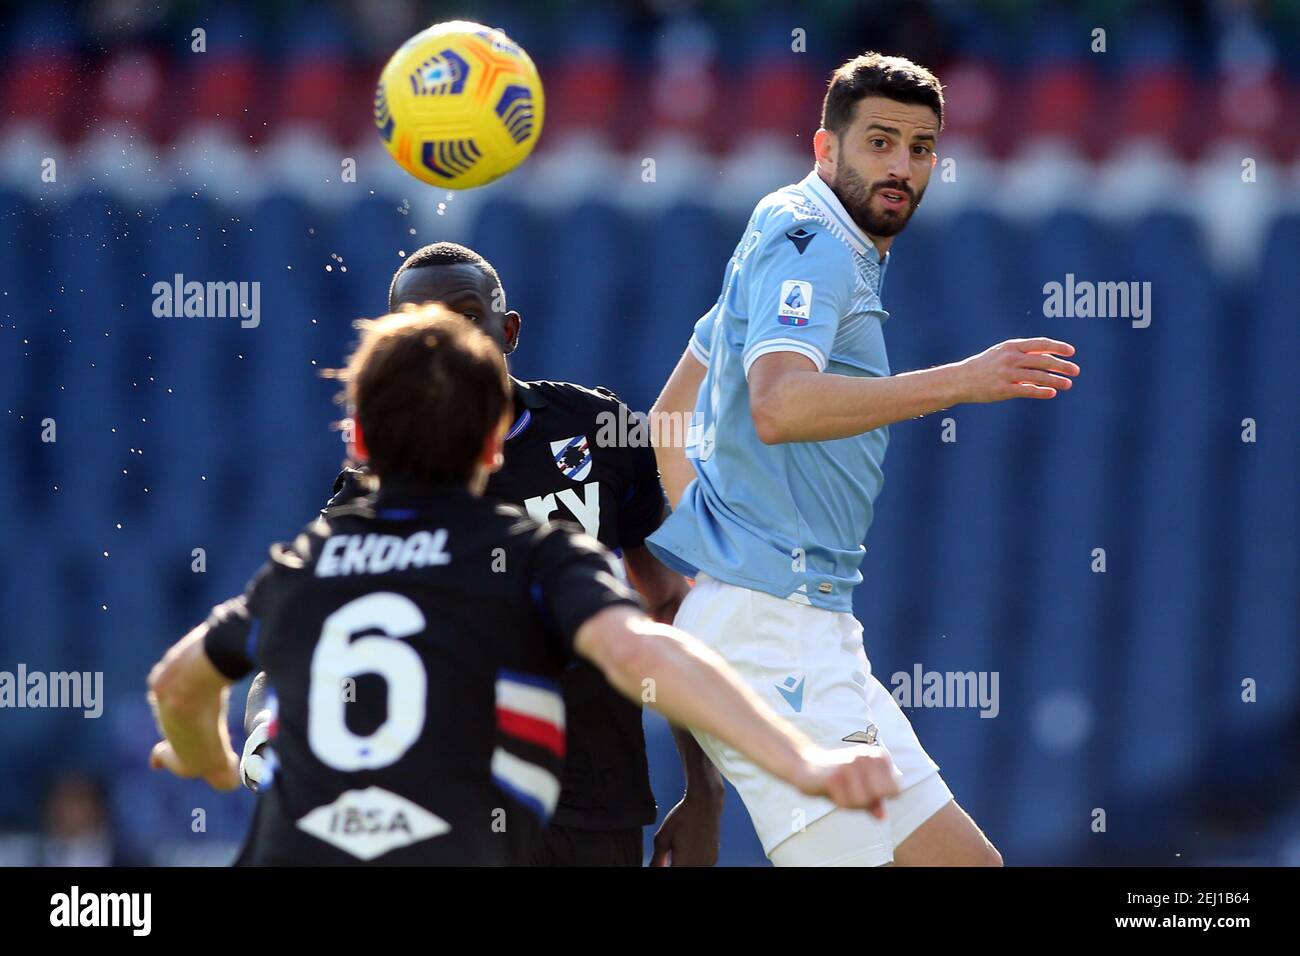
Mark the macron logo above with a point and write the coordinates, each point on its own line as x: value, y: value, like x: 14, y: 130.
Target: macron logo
x: 800, y: 238
x: 792, y: 691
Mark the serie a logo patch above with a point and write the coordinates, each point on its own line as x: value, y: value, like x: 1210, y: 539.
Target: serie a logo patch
x: 796, y: 302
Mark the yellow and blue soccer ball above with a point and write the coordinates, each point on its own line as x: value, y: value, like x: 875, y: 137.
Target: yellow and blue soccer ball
x: 459, y: 105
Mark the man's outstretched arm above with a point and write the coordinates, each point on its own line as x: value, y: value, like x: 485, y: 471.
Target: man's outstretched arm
x: 188, y: 695
x: 692, y: 686
x: 791, y: 401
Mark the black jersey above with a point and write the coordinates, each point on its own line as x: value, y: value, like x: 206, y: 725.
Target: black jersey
x: 567, y: 459
x: 415, y: 640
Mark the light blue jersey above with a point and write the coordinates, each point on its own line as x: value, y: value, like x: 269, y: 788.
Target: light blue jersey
x: 786, y: 519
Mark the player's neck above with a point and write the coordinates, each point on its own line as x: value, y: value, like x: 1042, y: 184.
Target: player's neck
x: 880, y: 243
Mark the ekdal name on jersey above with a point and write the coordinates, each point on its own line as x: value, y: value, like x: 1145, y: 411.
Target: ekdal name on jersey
x: 379, y: 553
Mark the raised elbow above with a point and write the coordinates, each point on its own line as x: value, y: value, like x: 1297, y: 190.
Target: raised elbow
x: 767, y: 419
x: 778, y: 389
x: 628, y: 658
x: 614, y: 640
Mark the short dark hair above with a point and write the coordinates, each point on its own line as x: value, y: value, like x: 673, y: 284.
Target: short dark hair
x: 440, y: 254
x: 874, y: 74
x: 426, y: 387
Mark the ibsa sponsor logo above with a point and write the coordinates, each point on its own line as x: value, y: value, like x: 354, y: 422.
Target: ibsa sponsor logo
x: 371, y: 822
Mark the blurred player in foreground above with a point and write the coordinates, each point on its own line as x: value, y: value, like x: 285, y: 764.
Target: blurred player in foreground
x: 788, y: 377
x: 469, y: 611
x: 555, y: 469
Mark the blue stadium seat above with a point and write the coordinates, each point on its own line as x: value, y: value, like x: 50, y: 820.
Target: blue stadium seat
x: 1172, y: 490
x: 579, y: 282
x: 1258, y: 632
x: 677, y: 260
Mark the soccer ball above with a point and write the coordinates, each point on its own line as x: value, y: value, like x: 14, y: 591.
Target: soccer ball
x: 459, y: 105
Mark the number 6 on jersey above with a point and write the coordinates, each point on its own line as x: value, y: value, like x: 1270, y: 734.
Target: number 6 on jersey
x: 339, y: 656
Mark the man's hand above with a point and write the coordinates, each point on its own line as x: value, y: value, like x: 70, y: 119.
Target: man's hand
x: 854, y: 777
x: 225, y: 777
x: 692, y: 830
x: 1018, y: 368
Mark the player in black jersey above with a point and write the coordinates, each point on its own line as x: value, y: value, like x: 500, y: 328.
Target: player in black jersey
x: 556, y: 468
x: 414, y: 639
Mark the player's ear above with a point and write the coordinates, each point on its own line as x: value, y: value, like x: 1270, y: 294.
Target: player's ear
x: 358, y: 451
x: 511, y: 326
x: 824, y: 149
x: 493, y: 455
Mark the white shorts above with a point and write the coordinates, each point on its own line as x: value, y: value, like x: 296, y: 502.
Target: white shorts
x: 809, y: 665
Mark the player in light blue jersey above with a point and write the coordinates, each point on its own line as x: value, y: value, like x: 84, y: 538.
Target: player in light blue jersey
x: 788, y: 384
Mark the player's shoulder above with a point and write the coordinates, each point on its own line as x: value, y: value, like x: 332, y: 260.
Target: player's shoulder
x: 790, y: 204
x: 569, y: 395
x: 616, y: 433
x: 788, y: 222
x: 575, y: 408
x: 298, y: 553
